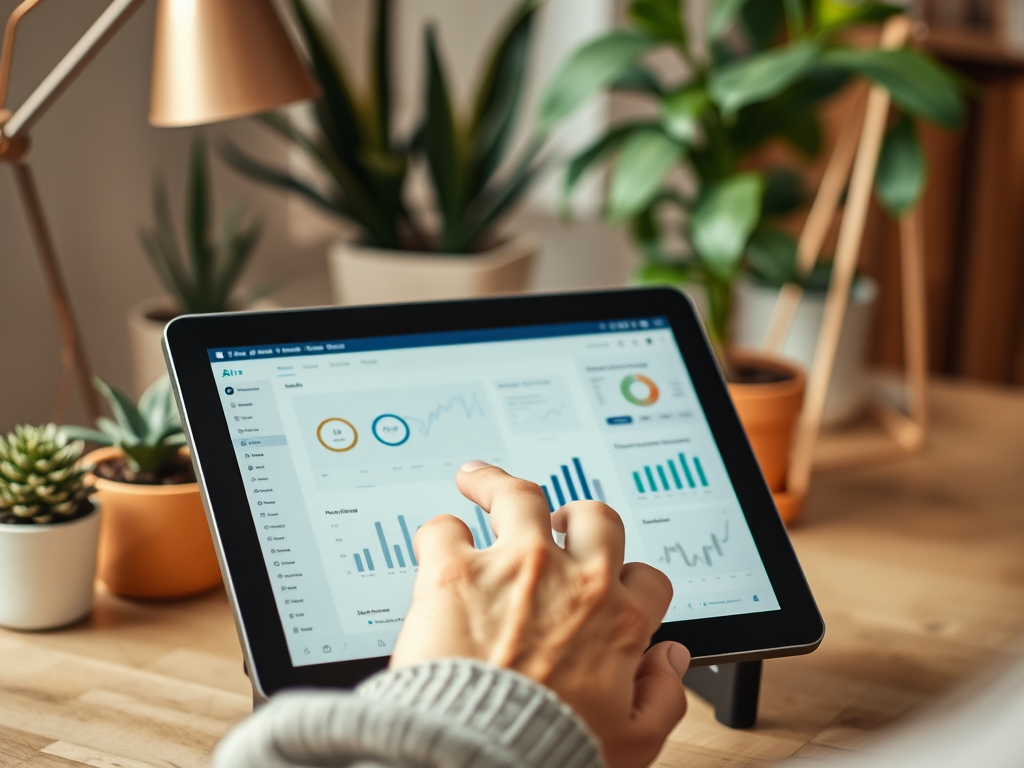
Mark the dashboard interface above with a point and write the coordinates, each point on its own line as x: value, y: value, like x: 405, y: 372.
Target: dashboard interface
x: 347, y: 447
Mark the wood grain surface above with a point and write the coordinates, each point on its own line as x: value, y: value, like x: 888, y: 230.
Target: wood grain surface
x: 917, y: 565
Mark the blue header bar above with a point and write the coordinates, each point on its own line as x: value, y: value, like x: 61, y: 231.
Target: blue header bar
x: 445, y: 338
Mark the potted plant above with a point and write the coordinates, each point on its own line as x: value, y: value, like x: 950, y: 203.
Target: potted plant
x: 155, y: 542
x: 206, y: 280
x: 398, y: 252
x: 769, y: 67
x: 48, y: 530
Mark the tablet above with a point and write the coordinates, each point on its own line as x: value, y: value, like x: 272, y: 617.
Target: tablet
x: 323, y: 438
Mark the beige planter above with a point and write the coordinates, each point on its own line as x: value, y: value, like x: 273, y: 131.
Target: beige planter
x: 155, y: 541
x: 47, y: 572
x: 361, y: 275
x: 145, y: 332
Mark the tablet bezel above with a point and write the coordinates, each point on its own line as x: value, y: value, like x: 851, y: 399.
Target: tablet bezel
x: 795, y: 628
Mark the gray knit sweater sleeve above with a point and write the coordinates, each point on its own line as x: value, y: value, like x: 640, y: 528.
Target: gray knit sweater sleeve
x: 455, y: 713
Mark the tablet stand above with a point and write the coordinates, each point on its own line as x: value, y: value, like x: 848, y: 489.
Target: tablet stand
x: 732, y: 689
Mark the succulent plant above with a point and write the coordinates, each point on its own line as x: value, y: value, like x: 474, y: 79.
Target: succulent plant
x: 40, y: 478
x: 149, y: 434
x: 205, y: 281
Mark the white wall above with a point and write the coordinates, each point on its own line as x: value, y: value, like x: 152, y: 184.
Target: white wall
x: 94, y: 156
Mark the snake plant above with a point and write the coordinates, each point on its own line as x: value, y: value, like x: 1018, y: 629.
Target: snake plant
x: 363, y: 163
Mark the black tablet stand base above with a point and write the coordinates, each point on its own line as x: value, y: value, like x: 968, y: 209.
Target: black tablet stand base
x: 732, y: 689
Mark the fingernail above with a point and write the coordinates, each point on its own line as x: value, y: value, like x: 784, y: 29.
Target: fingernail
x: 473, y: 466
x: 679, y: 658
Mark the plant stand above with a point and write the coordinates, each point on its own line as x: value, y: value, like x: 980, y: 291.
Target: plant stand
x: 732, y: 689
x: 854, y: 160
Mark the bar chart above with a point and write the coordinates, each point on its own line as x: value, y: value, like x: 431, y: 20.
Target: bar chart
x: 570, y: 483
x: 397, y: 557
x: 680, y: 473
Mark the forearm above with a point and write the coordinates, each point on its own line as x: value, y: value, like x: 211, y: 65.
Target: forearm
x: 443, y: 713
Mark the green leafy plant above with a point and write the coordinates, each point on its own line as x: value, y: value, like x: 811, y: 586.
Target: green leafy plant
x: 364, y: 166
x: 206, y: 280
x: 771, y: 64
x: 149, y: 434
x: 41, y: 480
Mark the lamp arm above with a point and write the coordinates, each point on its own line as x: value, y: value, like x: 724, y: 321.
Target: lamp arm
x: 8, y: 50
x: 77, y: 59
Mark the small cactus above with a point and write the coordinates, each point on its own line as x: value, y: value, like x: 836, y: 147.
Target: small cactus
x: 40, y: 480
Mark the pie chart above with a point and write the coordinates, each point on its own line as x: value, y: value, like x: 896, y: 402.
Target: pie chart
x: 639, y: 390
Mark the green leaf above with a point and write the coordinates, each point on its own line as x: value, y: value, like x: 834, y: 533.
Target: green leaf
x: 380, y: 75
x: 199, y: 220
x: 336, y: 111
x: 595, y: 153
x: 499, y: 198
x: 723, y: 219
x: 783, y: 191
x: 150, y: 458
x: 72, y: 432
x: 441, y: 147
x: 918, y: 84
x: 723, y: 15
x: 681, y: 111
x: 588, y: 70
x: 499, y: 96
x: 124, y: 410
x: 637, y: 78
x: 900, y: 175
x: 662, y: 273
x: 644, y: 161
x: 771, y: 256
x: 256, y: 169
x: 760, y: 77
x: 834, y: 15
x: 661, y: 19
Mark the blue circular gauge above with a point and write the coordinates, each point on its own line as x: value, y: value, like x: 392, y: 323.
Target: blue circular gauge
x: 390, y: 429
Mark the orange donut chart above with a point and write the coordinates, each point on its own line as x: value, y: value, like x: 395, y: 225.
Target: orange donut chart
x: 626, y: 387
x: 337, y: 434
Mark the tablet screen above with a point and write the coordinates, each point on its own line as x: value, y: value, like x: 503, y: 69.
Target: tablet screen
x: 347, y: 447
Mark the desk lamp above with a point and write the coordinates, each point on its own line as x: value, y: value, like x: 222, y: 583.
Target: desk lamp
x: 213, y: 60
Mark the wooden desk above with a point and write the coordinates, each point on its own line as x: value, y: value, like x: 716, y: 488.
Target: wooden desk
x: 918, y: 567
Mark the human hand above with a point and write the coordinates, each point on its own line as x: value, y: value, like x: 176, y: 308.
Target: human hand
x: 575, y: 620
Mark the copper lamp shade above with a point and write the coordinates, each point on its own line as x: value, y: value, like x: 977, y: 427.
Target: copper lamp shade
x: 216, y: 60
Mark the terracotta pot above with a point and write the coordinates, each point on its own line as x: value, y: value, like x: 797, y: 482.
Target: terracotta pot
x: 361, y: 275
x: 848, y: 387
x: 154, y: 541
x: 769, y: 413
x: 47, y: 572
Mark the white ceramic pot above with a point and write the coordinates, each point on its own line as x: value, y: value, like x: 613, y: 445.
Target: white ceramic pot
x: 361, y: 275
x: 47, y: 572
x: 146, y: 323
x: 848, y: 388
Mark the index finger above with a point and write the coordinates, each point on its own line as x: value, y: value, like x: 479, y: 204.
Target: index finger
x: 518, y: 508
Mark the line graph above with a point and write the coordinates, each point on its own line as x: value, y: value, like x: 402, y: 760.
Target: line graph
x: 702, y: 555
x: 470, y: 406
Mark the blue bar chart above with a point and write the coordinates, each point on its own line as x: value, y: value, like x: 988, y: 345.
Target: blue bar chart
x: 570, y: 483
x: 395, y: 556
x: 680, y: 473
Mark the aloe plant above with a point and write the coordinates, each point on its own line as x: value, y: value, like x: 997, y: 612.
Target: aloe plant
x: 364, y: 165
x: 206, y: 280
x: 771, y: 64
x: 149, y: 433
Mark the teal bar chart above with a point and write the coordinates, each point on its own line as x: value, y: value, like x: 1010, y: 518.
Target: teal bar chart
x: 679, y: 473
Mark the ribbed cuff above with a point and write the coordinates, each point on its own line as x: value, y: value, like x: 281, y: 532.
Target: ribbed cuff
x: 476, y: 714
x: 450, y: 713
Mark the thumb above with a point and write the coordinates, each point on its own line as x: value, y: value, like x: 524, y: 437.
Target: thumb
x: 659, y: 700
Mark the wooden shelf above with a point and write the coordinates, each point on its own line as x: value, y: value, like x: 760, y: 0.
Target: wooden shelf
x: 964, y: 45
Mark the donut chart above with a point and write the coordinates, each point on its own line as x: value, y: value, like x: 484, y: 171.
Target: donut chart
x: 337, y: 435
x: 390, y: 429
x: 639, y: 390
